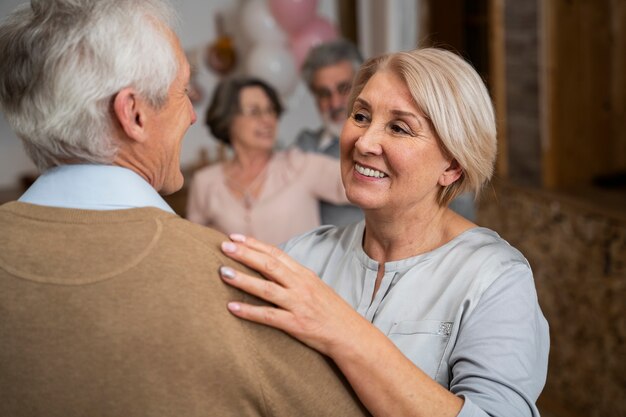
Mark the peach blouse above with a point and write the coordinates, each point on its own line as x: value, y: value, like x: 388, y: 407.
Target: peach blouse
x: 287, y: 205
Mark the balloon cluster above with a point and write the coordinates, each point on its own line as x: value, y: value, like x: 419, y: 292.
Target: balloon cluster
x: 281, y: 33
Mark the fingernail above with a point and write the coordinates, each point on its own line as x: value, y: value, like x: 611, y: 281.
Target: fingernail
x: 227, y: 272
x: 234, y: 307
x: 229, y: 247
x: 237, y: 237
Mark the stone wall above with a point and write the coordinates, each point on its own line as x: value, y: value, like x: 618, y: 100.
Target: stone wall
x: 578, y: 255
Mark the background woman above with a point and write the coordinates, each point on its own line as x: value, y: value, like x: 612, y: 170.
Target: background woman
x: 270, y: 195
x: 430, y: 315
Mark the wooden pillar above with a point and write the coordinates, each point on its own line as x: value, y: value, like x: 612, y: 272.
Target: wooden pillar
x: 497, y: 74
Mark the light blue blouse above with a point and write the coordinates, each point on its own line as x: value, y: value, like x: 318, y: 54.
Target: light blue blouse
x: 465, y: 313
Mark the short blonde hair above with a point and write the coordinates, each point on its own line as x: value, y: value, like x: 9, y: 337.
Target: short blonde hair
x: 453, y: 97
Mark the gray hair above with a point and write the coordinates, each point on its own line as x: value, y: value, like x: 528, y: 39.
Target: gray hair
x: 63, y: 61
x: 327, y: 54
x: 453, y: 97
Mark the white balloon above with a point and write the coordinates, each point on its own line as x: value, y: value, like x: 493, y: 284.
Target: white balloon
x: 259, y: 24
x: 275, y: 65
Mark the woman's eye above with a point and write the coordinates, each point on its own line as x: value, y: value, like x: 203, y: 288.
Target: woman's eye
x: 398, y: 129
x: 359, y: 117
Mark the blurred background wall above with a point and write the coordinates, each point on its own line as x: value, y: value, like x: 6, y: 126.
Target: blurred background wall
x: 556, y: 70
x: 198, y: 30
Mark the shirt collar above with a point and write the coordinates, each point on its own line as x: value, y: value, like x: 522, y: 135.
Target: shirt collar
x: 326, y: 140
x: 93, y: 187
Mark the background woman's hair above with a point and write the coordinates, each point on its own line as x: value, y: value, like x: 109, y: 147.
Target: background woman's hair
x: 225, y: 104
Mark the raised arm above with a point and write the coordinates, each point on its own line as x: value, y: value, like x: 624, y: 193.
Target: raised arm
x: 324, y: 175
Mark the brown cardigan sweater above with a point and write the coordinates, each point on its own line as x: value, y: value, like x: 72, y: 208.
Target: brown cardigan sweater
x: 122, y: 313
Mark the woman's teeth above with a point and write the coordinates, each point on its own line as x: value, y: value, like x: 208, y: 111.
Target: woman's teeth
x: 368, y: 172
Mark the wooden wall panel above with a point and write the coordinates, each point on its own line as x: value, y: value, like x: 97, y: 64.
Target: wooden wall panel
x: 618, y: 34
x: 580, y: 119
x: 497, y: 71
x: 347, y: 12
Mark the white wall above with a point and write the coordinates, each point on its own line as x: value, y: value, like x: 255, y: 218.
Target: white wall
x: 197, y: 29
x: 396, y: 23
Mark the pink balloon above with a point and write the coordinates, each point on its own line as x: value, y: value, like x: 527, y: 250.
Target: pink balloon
x: 318, y: 31
x: 293, y: 15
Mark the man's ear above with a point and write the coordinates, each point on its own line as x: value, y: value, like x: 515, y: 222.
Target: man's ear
x: 451, y: 174
x: 129, y: 110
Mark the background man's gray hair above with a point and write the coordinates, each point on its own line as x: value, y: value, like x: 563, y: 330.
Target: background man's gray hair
x: 330, y: 53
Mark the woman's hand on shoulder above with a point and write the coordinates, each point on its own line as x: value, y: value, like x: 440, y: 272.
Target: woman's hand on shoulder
x: 304, y: 306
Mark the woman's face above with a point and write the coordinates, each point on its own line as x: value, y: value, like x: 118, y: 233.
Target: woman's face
x: 254, y: 127
x: 390, y: 157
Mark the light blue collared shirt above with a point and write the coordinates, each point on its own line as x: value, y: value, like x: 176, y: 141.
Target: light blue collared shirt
x: 93, y: 187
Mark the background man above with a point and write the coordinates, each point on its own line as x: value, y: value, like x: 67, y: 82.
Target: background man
x: 111, y: 304
x: 328, y: 71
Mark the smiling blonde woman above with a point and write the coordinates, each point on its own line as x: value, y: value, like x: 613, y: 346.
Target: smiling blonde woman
x: 426, y: 313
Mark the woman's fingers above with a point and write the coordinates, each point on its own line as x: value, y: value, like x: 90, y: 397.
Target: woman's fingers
x: 305, y: 306
x: 259, y: 287
x: 266, y: 315
x: 269, y: 264
x: 265, y: 248
x: 264, y: 289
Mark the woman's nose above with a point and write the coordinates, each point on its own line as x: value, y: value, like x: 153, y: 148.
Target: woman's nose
x: 267, y: 119
x: 369, y: 142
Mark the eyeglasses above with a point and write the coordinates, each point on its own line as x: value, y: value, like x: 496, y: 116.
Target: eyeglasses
x: 257, y: 113
x: 324, y: 93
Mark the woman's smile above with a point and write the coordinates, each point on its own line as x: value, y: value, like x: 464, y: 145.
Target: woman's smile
x: 369, y: 172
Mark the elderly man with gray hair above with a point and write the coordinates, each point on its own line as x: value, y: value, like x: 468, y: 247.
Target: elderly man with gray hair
x: 111, y: 304
x: 328, y: 71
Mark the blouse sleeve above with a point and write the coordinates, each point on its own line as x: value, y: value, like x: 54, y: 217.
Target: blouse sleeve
x: 499, y: 363
x: 324, y: 178
x: 196, y: 204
